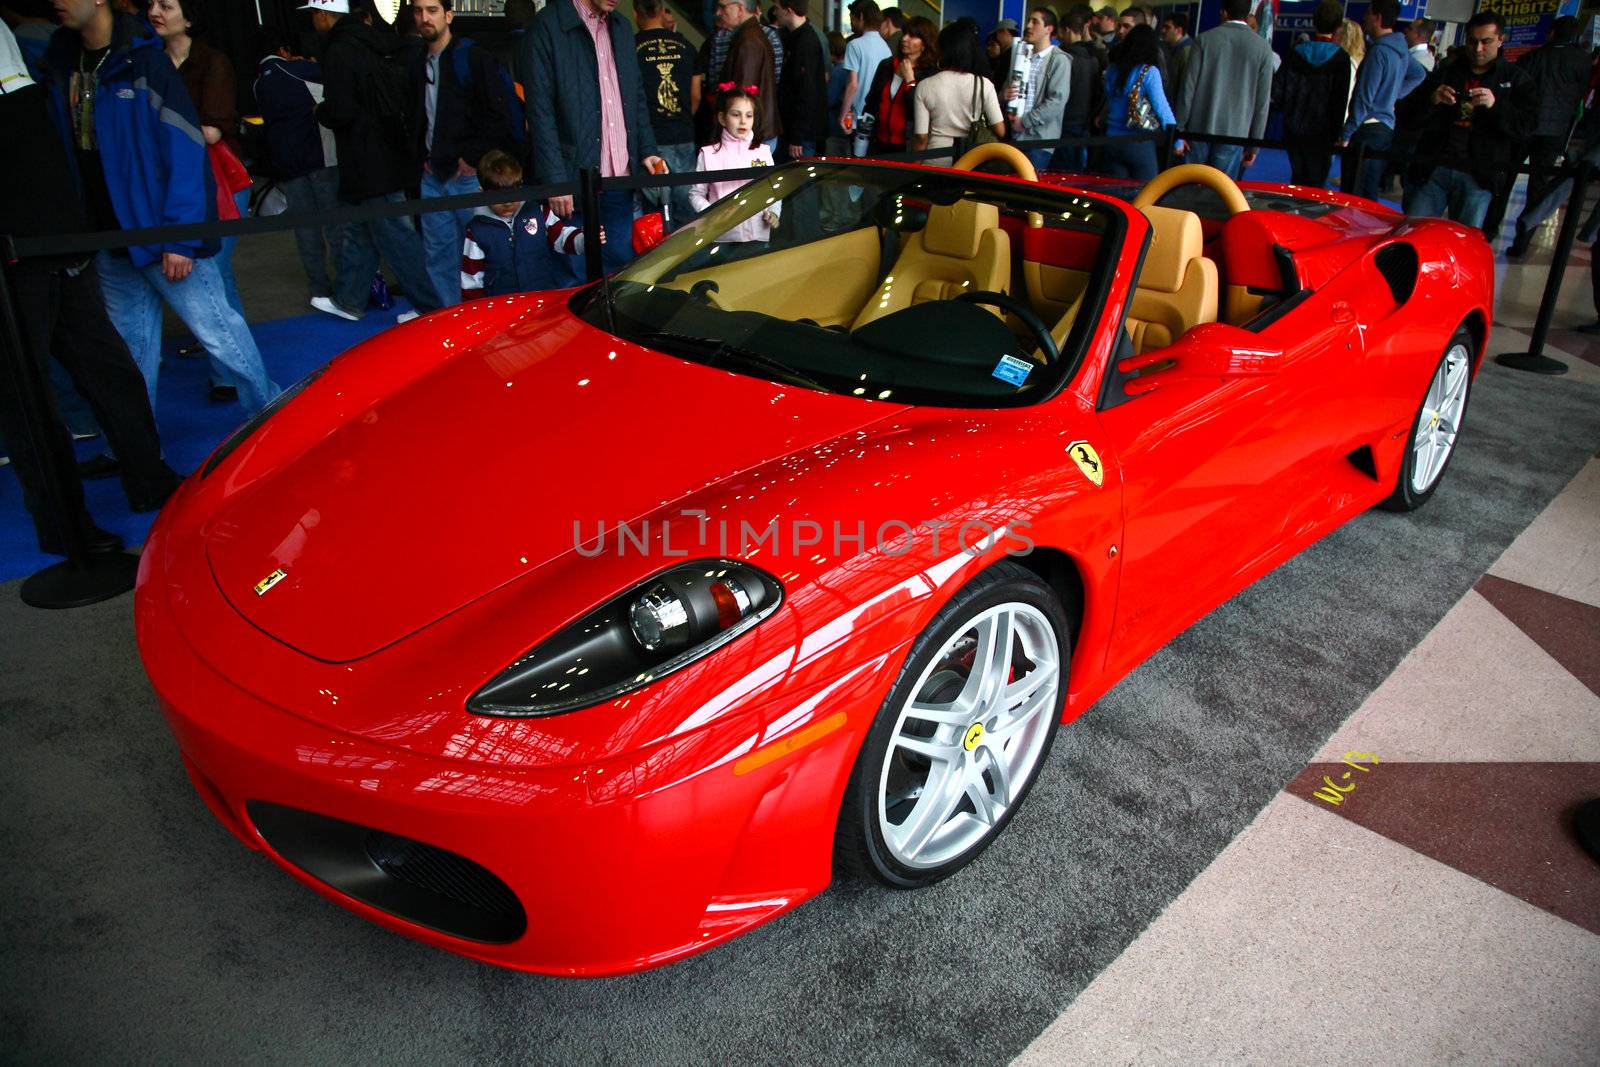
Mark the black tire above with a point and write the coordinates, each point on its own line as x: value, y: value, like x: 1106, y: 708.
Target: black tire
x: 1406, y: 496
x: 860, y: 850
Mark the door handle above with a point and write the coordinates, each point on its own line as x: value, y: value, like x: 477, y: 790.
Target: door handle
x: 1342, y: 312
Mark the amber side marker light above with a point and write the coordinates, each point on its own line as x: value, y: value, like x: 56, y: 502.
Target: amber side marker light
x: 798, y: 740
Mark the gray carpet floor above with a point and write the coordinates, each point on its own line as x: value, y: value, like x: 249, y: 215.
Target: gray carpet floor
x: 135, y: 929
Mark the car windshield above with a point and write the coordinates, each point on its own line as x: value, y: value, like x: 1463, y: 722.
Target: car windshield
x: 892, y: 283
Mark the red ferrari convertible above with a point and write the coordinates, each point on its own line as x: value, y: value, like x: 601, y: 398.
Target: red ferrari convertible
x: 578, y: 632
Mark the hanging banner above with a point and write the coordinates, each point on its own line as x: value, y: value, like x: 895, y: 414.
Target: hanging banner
x: 1528, y: 23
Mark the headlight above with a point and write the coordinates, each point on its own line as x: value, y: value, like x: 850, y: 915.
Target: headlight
x: 237, y: 437
x: 655, y: 628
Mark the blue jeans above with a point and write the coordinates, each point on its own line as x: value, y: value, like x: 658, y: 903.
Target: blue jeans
x: 616, y: 219
x: 1129, y: 159
x: 1073, y: 159
x: 1039, y: 157
x: 133, y: 302
x: 444, y: 232
x: 1449, y: 193
x: 1228, y: 158
x: 1372, y: 135
x: 317, y: 191
x: 400, y: 246
x: 241, y: 200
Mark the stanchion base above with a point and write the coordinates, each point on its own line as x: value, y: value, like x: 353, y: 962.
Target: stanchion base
x: 68, y: 586
x: 1586, y: 821
x: 1529, y: 362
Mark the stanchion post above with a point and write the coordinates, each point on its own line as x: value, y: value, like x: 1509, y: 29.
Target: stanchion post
x: 83, y: 579
x: 589, y: 204
x: 1534, y: 359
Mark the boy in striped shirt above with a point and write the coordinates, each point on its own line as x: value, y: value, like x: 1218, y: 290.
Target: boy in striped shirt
x: 504, y: 250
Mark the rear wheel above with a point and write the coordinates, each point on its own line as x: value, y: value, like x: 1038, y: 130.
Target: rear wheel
x: 961, y: 737
x: 1434, y: 431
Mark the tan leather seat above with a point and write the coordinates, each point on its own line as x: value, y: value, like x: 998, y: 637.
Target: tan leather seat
x: 962, y: 249
x: 1177, y: 287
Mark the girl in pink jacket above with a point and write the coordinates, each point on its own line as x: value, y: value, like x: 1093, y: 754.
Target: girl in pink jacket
x: 736, y: 149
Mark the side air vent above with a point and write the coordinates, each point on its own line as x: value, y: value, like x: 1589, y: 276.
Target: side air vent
x: 1399, y: 265
x: 426, y: 884
x: 1362, y: 460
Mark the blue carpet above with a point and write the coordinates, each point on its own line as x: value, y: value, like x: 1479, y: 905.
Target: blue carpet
x: 191, y: 426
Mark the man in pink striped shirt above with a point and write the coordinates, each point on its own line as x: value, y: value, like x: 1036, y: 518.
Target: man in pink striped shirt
x: 587, y: 110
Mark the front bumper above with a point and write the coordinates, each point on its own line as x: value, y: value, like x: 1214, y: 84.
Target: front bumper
x: 615, y: 866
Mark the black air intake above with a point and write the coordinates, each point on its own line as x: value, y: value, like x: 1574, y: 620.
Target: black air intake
x: 415, y: 881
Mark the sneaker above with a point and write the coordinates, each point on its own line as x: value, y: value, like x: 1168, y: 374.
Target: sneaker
x: 326, y: 304
x: 80, y: 435
x: 1591, y: 329
x: 406, y: 316
x: 1519, y: 244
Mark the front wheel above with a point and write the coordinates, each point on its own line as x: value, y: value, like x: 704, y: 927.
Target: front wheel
x: 961, y: 737
x: 1438, y: 423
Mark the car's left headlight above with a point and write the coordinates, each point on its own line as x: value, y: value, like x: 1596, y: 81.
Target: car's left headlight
x: 657, y: 627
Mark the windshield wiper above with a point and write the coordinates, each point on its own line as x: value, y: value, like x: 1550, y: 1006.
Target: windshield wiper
x: 714, y: 349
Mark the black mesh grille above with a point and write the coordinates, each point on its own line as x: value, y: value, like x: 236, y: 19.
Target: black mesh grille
x: 443, y: 873
x: 422, y: 883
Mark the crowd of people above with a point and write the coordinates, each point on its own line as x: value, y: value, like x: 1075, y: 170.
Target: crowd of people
x: 137, y: 114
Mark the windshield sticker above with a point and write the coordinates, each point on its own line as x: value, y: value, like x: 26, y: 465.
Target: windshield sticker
x: 1013, y: 370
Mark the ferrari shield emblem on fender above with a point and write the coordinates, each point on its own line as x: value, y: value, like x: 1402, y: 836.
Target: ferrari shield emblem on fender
x: 264, y: 586
x: 1088, y: 461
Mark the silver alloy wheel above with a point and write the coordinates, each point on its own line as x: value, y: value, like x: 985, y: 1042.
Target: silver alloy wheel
x: 1440, y: 419
x: 966, y: 743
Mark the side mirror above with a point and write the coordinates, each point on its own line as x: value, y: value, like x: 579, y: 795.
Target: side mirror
x: 1210, y: 351
x: 648, y: 231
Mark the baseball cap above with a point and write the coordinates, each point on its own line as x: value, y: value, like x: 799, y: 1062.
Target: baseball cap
x: 1009, y: 25
x: 333, y: 7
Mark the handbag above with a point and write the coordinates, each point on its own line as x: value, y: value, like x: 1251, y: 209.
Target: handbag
x: 1141, y: 113
x: 978, y: 132
x: 231, y: 178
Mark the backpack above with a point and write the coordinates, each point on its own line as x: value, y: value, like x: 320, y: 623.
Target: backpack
x: 511, y: 93
x: 389, y: 95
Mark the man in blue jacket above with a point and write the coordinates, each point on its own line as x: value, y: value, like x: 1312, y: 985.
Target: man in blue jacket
x: 301, y: 153
x: 586, y: 108
x: 1387, y: 74
x: 121, y: 108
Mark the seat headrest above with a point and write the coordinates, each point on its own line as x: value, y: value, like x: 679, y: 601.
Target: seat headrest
x: 1176, y: 240
x: 955, y: 230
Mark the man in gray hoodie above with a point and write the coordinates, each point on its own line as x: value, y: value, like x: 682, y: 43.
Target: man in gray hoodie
x: 1387, y: 74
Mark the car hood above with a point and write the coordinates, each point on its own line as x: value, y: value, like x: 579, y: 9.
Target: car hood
x: 477, y: 471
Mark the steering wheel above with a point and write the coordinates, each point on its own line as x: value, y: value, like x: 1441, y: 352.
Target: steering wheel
x: 1047, y: 343
x: 996, y: 150
x: 706, y: 289
x: 1193, y: 174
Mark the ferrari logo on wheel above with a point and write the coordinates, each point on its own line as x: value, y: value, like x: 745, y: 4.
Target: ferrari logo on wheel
x: 974, y: 735
x: 1088, y: 461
